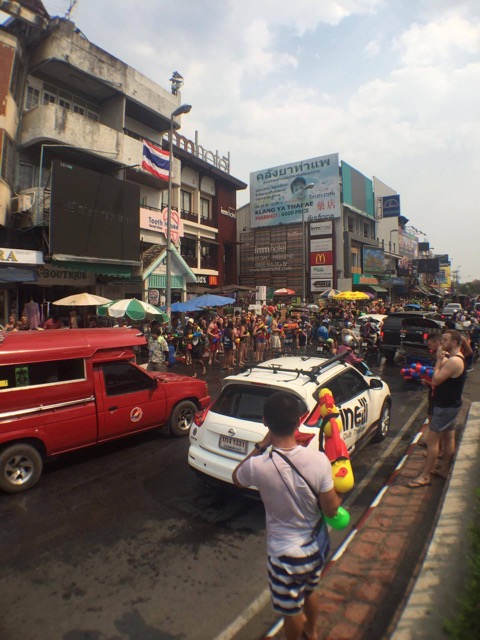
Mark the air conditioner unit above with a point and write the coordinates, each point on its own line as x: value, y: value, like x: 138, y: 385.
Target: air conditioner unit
x: 38, y: 211
x: 22, y: 203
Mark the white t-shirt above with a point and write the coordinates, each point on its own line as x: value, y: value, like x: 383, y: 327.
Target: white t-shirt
x: 289, y: 521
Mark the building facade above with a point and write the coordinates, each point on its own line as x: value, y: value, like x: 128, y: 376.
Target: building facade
x: 76, y: 207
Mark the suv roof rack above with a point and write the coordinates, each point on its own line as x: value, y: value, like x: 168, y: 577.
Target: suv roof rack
x: 312, y: 373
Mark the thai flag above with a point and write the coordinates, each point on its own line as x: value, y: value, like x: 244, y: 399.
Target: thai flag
x: 156, y: 161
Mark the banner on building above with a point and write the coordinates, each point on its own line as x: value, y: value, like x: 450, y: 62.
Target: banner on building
x: 279, y: 195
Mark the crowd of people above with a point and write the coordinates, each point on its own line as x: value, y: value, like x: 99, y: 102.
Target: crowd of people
x: 245, y: 336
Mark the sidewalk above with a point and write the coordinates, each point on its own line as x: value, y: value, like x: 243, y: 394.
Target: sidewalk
x: 442, y: 577
x: 400, y: 574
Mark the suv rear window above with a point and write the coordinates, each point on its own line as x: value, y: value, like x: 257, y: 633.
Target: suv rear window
x: 245, y: 402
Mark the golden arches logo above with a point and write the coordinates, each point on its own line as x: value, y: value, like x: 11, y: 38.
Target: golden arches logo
x: 320, y: 258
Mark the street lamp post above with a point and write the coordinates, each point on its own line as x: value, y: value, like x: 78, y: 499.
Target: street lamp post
x: 184, y: 108
x: 304, y: 244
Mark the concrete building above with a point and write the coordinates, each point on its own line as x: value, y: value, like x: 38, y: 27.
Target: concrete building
x: 76, y: 207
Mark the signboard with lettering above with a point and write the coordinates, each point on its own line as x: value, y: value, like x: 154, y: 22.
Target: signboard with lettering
x: 94, y: 215
x: 154, y: 220
x: 391, y: 206
x: 49, y: 276
x: 20, y: 256
x: 309, y: 189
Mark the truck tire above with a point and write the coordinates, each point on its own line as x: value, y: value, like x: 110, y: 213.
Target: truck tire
x: 383, y: 423
x: 182, y: 418
x: 20, y: 467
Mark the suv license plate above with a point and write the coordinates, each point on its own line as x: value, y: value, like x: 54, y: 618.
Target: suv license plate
x: 233, y: 444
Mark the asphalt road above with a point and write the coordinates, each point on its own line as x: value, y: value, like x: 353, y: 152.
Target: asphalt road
x: 123, y: 541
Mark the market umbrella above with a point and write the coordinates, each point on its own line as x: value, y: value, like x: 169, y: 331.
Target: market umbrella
x: 133, y: 308
x: 352, y: 295
x: 313, y: 307
x: 183, y: 307
x: 329, y: 293
x: 211, y: 300
x: 412, y: 305
x: 81, y: 300
x: 284, y: 292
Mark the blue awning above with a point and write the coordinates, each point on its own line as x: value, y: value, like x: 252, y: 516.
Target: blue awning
x: 18, y: 274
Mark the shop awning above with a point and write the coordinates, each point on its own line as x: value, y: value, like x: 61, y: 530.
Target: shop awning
x: 117, y: 270
x: 377, y: 289
x: 18, y: 274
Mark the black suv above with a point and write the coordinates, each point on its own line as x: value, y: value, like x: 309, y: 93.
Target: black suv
x: 390, y: 334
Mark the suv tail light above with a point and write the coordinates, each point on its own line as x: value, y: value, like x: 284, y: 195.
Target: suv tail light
x: 199, y: 418
x: 425, y: 337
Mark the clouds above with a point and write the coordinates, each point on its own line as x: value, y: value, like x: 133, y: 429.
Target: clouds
x: 392, y: 86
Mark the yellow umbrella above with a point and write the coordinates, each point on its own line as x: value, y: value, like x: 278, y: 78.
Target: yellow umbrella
x: 352, y: 295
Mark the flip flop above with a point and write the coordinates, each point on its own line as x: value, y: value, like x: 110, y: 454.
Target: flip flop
x: 416, y: 484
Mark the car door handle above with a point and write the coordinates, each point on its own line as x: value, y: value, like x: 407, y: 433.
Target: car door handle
x: 113, y: 408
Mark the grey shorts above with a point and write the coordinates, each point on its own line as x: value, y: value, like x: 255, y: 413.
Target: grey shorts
x: 275, y: 341
x: 444, y: 419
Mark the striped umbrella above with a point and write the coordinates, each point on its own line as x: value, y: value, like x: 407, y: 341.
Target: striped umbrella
x: 329, y: 293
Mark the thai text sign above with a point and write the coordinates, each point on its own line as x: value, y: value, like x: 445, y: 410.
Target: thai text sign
x: 279, y: 195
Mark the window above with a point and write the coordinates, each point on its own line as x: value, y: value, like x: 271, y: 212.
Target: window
x: 93, y: 116
x: 246, y: 403
x: 26, y: 178
x: 122, y: 378
x: 366, y: 230
x: 78, y: 109
x: 7, y: 164
x: 49, y: 98
x: 32, y: 98
x: 65, y: 104
x: 41, y: 373
x: 351, y: 224
x: 352, y: 384
x: 188, y: 247
x: 186, y: 201
x: 205, y: 209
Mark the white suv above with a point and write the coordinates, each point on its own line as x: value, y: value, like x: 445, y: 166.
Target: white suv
x: 226, y: 432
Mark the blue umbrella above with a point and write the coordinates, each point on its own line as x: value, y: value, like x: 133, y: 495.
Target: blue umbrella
x: 412, y: 305
x: 183, y: 307
x: 211, y: 300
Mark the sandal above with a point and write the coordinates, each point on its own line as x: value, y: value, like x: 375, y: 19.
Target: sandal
x: 416, y: 484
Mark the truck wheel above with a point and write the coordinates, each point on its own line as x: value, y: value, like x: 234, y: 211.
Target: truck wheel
x: 182, y: 418
x: 20, y: 468
x: 383, y: 423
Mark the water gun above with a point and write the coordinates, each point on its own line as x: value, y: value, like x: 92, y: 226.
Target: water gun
x: 340, y: 520
x: 334, y: 445
x: 417, y: 371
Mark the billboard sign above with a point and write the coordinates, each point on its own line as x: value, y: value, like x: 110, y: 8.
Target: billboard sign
x: 373, y: 260
x: 391, y: 206
x: 280, y: 194
x: 93, y: 215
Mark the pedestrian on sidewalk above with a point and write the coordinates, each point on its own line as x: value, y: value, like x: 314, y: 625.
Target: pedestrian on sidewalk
x: 448, y: 381
x: 295, y: 561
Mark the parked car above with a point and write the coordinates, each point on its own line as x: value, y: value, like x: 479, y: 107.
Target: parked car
x: 63, y: 390
x: 414, y: 335
x: 450, y: 309
x: 390, y: 336
x: 226, y: 432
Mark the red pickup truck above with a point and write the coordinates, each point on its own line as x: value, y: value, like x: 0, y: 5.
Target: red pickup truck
x: 67, y: 389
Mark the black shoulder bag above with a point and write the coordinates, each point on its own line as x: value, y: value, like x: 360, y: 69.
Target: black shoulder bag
x: 319, y: 530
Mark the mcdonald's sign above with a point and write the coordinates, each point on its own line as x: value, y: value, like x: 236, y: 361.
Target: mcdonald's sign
x: 321, y: 257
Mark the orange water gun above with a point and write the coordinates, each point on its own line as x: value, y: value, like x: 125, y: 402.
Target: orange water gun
x: 334, y: 445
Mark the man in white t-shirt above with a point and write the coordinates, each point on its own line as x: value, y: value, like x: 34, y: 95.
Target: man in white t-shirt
x: 292, y: 511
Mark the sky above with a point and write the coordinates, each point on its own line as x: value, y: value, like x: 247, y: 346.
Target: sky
x: 393, y: 86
